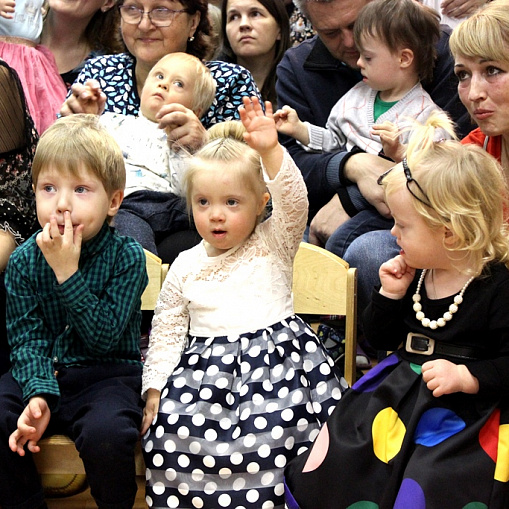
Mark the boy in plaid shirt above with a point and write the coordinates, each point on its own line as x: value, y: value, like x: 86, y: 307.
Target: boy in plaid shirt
x: 73, y: 320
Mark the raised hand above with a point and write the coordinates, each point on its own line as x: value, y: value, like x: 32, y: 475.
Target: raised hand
x: 261, y: 133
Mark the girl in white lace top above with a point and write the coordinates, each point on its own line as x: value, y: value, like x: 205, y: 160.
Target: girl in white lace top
x: 236, y: 384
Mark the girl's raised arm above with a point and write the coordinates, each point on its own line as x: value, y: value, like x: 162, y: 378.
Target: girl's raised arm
x: 261, y: 133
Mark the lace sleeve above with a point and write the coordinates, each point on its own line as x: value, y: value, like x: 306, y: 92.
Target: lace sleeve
x: 168, y: 336
x: 285, y: 228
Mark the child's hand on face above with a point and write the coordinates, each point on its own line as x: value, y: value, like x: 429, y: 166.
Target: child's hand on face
x: 62, y: 251
x: 7, y: 8
x: 389, y: 138
x: 445, y: 377
x: 395, y: 277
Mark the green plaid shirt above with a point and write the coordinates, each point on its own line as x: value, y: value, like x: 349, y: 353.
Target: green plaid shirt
x: 94, y: 317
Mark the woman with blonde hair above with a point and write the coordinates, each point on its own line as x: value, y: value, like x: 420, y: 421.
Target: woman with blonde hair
x: 480, y: 47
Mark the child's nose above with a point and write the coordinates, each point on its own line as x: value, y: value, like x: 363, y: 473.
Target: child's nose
x: 163, y: 85
x: 64, y: 202
x: 216, y: 214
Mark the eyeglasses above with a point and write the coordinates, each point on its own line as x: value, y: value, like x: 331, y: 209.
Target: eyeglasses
x: 409, y: 180
x: 160, y: 17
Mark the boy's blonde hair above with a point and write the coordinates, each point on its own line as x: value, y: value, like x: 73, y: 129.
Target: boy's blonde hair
x: 485, y: 34
x: 226, y: 145
x: 461, y: 187
x: 204, y: 86
x: 80, y: 141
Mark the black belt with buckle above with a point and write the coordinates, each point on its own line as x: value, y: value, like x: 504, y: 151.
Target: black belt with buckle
x: 421, y: 344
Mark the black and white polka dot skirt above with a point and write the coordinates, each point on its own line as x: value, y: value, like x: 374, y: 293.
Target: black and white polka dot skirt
x: 234, y: 412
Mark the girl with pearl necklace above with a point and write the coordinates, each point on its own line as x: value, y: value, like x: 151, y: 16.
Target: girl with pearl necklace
x: 416, y: 429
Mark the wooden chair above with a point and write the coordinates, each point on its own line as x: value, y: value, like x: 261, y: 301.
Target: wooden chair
x: 324, y: 284
x: 58, y: 461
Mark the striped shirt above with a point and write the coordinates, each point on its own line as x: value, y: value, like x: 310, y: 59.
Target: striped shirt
x: 91, y: 318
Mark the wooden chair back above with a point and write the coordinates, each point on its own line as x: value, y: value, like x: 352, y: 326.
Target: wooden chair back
x: 324, y: 284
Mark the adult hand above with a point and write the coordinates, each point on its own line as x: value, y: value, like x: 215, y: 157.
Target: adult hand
x: 32, y: 423
x: 326, y: 221
x: 61, y: 251
x: 460, y: 8
x: 182, y: 126
x: 87, y: 98
x: 364, y: 169
x: 444, y: 377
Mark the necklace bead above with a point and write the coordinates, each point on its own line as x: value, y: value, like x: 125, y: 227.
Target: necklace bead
x: 447, y: 316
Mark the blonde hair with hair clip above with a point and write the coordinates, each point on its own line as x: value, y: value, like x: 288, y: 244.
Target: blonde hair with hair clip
x: 226, y: 145
x: 464, y: 190
x: 80, y: 142
x: 485, y: 34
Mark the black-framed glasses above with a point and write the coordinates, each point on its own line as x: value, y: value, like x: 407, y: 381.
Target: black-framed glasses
x: 160, y: 17
x: 409, y: 180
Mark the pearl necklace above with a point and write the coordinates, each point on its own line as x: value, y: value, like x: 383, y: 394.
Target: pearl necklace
x: 433, y: 324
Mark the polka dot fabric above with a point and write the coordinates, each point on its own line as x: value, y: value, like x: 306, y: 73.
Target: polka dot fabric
x: 232, y: 415
x: 392, y: 444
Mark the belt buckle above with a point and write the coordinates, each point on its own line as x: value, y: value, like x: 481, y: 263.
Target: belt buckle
x: 419, y: 343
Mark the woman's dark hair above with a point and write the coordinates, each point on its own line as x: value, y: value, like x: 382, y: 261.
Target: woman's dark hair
x: 201, y: 46
x: 103, y: 32
x: 277, y: 10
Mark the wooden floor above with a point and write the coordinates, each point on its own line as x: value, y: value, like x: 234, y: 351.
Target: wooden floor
x: 85, y: 501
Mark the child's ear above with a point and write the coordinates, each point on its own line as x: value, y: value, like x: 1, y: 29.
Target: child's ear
x: 115, y: 202
x: 449, y: 236
x: 263, y: 202
x: 406, y: 57
x: 108, y: 5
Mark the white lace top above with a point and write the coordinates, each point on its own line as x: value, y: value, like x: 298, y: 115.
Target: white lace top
x: 245, y: 289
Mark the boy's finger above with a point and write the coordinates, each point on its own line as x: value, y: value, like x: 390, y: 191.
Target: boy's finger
x: 78, y: 236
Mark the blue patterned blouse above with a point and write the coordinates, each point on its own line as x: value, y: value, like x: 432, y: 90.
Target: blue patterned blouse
x: 116, y: 76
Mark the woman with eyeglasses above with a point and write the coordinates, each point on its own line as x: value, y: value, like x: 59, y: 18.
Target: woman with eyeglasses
x: 151, y: 29
x: 255, y: 34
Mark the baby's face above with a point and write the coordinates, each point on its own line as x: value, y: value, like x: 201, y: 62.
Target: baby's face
x: 170, y: 81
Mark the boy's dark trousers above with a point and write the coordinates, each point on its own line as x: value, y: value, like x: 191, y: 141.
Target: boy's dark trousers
x: 101, y: 410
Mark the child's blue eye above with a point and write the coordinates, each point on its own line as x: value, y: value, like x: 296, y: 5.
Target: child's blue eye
x: 80, y: 190
x: 231, y: 202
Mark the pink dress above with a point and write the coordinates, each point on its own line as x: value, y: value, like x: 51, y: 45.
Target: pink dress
x: 44, y: 88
